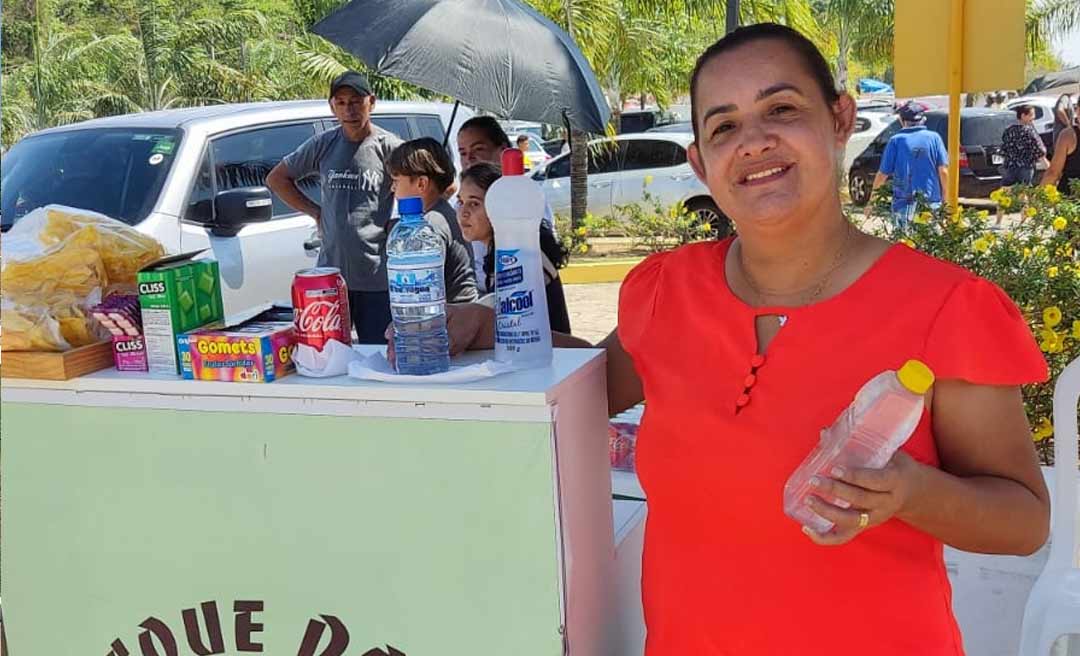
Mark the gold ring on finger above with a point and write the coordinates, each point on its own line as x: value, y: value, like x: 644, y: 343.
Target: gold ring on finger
x: 864, y: 520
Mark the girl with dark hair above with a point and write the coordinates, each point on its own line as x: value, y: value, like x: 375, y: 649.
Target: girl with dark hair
x: 476, y: 227
x: 746, y: 348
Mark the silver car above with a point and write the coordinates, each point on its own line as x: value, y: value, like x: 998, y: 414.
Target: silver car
x: 623, y: 169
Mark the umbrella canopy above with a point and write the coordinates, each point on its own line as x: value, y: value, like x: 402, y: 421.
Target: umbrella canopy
x: 1067, y: 77
x: 498, y: 55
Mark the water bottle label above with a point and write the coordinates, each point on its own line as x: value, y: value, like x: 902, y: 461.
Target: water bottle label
x: 416, y: 285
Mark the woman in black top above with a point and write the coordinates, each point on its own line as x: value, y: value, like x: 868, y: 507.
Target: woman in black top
x: 1022, y: 148
x: 475, y: 226
x: 1065, y: 166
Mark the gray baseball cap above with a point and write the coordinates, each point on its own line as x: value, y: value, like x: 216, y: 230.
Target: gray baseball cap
x: 351, y: 80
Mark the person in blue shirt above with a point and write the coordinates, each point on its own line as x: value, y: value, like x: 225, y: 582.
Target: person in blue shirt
x: 916, y: 161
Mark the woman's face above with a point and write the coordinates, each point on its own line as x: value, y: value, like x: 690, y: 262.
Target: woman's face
x: 471, y: 215
x: 768, y: 144
x: 474, y: 147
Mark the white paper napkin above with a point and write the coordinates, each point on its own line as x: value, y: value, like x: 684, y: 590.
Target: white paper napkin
x: 333, y: 360
x: 377, y: 367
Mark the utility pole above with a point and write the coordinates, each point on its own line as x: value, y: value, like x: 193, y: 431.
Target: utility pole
x: 732, y: 16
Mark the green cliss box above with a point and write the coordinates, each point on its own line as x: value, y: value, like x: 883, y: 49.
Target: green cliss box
x: 177, y: 294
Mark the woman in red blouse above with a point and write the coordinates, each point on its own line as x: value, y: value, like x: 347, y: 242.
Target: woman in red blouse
x: 745, y: 349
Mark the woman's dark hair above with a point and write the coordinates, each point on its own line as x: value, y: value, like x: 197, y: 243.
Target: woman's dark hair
x: 807, y: 51
x: 1021, y: 110
x: 489, y: 127
x: 483, y: 175
x: 424, y: 156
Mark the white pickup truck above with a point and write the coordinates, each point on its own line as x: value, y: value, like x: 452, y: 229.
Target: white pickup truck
x: 193, y: 179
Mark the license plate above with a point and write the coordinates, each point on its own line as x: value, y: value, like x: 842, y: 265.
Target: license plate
x: 997, y: 160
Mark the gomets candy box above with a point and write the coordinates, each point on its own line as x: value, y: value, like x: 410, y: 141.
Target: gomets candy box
x: 253, y: 352
x: 176, y: 294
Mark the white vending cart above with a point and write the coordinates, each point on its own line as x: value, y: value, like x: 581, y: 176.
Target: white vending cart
x: 151, y: 516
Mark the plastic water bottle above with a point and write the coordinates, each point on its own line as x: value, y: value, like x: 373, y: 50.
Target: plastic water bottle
x: 515, y: 205
x: 867, y: 433
x: 415, y: 259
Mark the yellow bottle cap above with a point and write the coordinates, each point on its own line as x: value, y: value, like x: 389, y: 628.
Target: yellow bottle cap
x: 915, y: 376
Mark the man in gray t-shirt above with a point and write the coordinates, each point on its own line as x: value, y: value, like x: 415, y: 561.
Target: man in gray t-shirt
x: 357, y: 201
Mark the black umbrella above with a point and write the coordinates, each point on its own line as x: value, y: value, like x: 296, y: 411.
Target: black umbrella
x: 498, y: 55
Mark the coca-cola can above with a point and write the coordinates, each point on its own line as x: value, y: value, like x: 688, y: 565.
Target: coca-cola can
x: 321, y: 307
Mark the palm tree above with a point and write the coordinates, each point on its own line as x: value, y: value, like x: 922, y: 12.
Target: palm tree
x: 591, y: 23
x: 864, y: 27
x: 322, y: 61
x: 1047, y: 20
x: 57, y: 85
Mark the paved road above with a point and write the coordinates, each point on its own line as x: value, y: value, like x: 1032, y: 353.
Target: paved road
x: 593, y: 309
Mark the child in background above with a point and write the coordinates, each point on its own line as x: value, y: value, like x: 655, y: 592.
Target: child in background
x: 476, y: 227
x: 421, y: 168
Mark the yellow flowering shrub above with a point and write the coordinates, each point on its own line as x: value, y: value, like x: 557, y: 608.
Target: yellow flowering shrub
x: 656, y: 228
x: 576, y: 240
x: 1034, y: 258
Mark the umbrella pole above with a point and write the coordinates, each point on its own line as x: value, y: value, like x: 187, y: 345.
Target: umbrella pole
x: 453, y: 115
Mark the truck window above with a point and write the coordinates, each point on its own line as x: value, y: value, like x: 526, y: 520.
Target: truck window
x: 244, y: 159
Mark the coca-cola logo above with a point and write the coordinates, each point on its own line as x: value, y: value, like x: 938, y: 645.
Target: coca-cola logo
x: 319, y: 317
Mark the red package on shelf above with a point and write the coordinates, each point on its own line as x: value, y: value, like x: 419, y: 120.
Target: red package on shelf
x: 621, y: 440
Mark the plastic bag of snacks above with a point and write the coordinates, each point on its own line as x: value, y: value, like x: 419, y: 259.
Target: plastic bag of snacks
x: 57, y: 262
x: 29, y: 329
x: 60, y: 326
x: 57, y: 249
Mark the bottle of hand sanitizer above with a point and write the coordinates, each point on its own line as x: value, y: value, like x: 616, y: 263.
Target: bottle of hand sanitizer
x: 515, y: 205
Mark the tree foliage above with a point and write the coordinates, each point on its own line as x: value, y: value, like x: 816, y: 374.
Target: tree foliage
x: 68, y: 60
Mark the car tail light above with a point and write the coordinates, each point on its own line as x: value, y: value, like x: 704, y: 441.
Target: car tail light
x: 964, y: 163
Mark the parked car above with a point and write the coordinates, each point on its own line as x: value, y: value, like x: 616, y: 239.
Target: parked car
x: 881, y: 105
x: 980, y: 152
x: 1044, y: 116
x: 640, y: 120
x: 523, y: 127
x: 618, y: 169
x: 163, y: 172
x: 869, y: 123
x: 679, y: 126
x: 538, y: 157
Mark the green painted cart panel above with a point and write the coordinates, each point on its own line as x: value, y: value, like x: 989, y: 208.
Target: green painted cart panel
x: 429, y: 536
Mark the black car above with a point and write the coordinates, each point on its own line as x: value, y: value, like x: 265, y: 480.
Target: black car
x: 980, y: 152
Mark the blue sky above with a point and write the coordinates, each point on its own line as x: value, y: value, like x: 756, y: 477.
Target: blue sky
x: 1069, y: 48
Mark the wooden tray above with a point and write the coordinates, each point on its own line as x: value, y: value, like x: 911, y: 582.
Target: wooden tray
x: 57, y: 366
